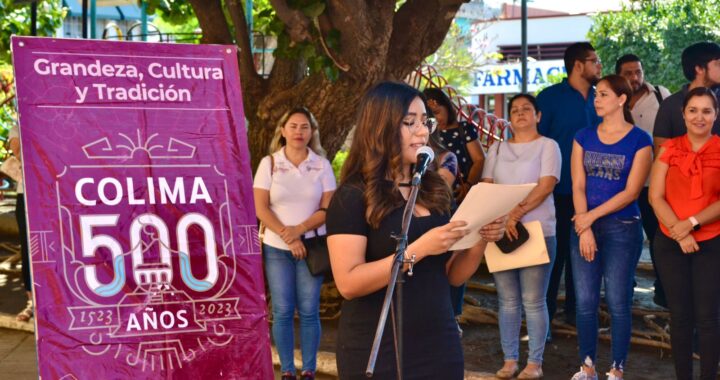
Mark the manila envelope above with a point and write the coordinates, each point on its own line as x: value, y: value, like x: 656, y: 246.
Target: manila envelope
x: 532, y: 252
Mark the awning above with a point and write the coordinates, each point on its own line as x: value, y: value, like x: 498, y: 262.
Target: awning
x: 125, y: 12
x: 110, y: 3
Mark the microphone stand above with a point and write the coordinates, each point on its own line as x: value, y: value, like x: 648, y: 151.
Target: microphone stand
x: 396, y: 281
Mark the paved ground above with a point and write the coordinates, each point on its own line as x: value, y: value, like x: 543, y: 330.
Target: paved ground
x: 17, y: 355
x: 480, y: 342
x: 17, y: 343
x: 18, y: 360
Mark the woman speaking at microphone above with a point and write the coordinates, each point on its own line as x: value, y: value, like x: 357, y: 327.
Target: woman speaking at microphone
x: 366, y: 211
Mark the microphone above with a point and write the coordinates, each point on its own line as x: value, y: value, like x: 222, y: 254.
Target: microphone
x: 425, y: 155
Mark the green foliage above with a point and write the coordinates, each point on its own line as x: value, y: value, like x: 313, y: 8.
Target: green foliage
x: 15, y: 19
x: 8, y: 114
x: 455, y: 61
x: 264, y: 19
x: 183, y: 31
x: 657, y: 32
x: 174, y: 12
x: 311, y: 52
x: 266, y: 22
x: 338, y: 162
x: 552, y: 79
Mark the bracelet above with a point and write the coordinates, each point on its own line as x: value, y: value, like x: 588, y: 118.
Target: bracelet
x: 410, y: 261
x: 323, y: 209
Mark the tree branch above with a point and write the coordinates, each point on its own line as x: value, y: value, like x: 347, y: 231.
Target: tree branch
x: 286, y: 72
x: 251, y: 79
x: 319, y: 22
x: 209, y: 13
x: 365, y: 29
x: 296, y: 23
x: 419, y: 28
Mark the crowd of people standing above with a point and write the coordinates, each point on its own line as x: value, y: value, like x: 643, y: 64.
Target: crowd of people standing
x: 588, y: 143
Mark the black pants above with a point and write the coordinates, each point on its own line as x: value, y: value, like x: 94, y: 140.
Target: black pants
x: 22, y: 228
x: 564, y: 211
x: 650, y: 225
x: 692, y: 289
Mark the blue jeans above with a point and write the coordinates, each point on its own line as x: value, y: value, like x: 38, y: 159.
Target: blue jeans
x: 619, y: 244
x: 292, y: 286
x: 519, y: 289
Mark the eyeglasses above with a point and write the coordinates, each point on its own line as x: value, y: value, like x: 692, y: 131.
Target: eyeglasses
x: 414, y: 127
x: 596, y: 61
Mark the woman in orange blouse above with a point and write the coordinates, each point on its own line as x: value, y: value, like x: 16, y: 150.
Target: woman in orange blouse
x: 685, y: 194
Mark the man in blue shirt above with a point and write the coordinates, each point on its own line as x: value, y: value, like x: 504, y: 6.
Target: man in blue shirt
x: 566, y: 108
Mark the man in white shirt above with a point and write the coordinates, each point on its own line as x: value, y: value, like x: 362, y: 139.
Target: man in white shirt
x: 644, y: 106
x: 646, y: 98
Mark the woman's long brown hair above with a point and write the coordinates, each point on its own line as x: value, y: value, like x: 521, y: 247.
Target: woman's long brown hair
x: 621, y: 86
x: 376, y: 154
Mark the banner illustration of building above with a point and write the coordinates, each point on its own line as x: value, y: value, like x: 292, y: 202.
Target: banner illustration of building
x: 145, y: 259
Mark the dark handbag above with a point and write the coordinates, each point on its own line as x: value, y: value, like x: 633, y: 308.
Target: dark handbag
x: 318, y: 258
x: 462, y: 186
x: 507, y: 246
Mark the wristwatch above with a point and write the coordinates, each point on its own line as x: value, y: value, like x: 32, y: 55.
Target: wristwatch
x: 695, y: 223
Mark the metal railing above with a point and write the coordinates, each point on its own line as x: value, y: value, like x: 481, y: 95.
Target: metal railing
x: 490, y: 127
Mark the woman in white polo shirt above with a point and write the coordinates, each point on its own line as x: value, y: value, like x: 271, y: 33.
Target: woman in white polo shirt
x: 292, y: 189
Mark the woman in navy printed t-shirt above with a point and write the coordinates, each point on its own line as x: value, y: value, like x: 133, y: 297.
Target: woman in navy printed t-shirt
x: 609, y: 166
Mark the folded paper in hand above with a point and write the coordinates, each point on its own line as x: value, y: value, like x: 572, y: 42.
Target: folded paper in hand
x: 484, y: 203
x: 532, y: 252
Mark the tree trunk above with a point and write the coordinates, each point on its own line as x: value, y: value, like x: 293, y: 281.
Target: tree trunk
x: 376, y: 43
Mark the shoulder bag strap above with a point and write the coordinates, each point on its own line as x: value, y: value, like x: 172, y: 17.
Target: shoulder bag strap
x: 658, y: 95
x: 262, y: 227
x: 497, y: 156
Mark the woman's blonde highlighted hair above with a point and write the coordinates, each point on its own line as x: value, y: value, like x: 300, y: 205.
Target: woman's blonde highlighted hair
x: 278, y: 141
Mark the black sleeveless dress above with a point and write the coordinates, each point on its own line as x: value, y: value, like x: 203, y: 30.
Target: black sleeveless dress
x: 431, y: 342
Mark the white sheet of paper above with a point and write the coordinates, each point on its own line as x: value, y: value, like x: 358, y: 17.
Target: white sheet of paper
x: 484, y: 203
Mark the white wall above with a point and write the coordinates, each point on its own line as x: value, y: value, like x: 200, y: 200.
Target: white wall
x: 544, y: 30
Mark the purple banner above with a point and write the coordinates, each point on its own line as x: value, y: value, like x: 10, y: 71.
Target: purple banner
x: 145, y: 259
